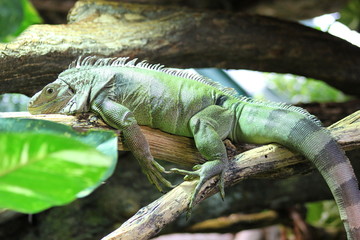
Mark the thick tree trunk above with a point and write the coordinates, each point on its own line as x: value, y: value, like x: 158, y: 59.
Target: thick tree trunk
x: 285, y: 9
x: 176, y: 37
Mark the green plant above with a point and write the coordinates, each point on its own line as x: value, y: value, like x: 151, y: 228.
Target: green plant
x: 300, y: 89
x: 15, y: 17
x: 45, y: 164
x: 350, y: 15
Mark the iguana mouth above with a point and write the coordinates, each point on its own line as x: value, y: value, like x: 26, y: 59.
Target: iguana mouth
x: 44, y: 107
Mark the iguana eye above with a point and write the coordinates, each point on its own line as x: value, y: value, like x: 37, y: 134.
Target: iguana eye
x: 49, y: 91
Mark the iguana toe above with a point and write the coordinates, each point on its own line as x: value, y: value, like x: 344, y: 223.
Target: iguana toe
x: 204, y: 172
x: 154, y: 173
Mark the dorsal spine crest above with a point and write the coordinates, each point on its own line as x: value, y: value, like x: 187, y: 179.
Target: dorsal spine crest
x: 281, y: 105
x: 95, y: 61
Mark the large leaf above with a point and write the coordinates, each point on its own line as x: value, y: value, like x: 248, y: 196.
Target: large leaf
x: 44, y: 164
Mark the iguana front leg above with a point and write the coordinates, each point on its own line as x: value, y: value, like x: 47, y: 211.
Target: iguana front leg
x: 209, y: 127
x: 120, y: 117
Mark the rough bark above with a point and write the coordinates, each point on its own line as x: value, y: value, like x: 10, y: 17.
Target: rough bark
x: 285, y: 9
x: 293, y: 9
x: 176, y: 37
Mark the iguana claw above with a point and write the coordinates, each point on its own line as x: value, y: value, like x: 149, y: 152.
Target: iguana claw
x: 153, y: 171
x: 204, y: 172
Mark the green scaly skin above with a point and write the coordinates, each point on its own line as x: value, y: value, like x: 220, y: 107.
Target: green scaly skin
x: 128, y: 94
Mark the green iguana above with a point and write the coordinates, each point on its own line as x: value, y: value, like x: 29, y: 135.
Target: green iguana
x: 127, y: 94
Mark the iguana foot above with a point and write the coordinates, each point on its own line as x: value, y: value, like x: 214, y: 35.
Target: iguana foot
x: 204, y: 172
x: 154, y: 171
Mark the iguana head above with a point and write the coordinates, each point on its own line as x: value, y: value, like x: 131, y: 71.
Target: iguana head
x: 76, y: 87
x: 51, y: 99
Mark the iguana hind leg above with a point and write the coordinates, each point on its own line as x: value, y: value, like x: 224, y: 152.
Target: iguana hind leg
x: 209, y: 127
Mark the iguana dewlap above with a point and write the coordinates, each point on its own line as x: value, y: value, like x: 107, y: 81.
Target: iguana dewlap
x: 127, y: 94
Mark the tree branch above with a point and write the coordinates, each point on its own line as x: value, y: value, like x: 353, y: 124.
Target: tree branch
x: 285, y: 9
x: 177, y: 37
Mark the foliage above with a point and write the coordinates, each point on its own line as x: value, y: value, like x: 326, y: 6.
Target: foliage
x: 46, y: 164
x: 300, y: 89
x: 15, y: 17
x: 324, y: 214
x: 350, y: 15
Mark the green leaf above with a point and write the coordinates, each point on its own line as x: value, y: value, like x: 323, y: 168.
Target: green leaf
x: 314, y: 212
x: 323, y: 214
x: 300, y: 89
x: 46, y: 164
x: 15, y: 17
x: 350, y: 15
x: 11, y: 16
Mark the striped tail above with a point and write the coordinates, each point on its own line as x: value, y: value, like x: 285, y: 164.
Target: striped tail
x: 317, y: 145
x: 298, y: 130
